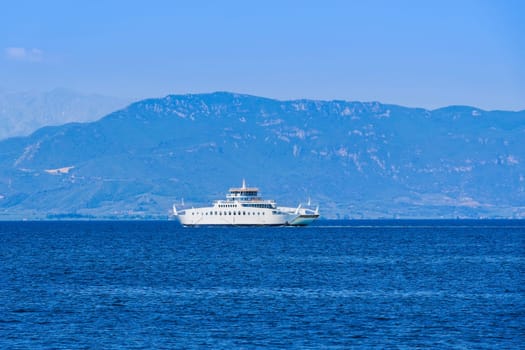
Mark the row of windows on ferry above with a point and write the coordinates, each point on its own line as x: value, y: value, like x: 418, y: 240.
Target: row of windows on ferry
x: 274, y: 212
x: 247, y: 205
x: 245, y: 193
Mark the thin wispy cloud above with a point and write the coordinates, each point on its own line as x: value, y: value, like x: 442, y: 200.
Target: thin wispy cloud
x: 24, y: 54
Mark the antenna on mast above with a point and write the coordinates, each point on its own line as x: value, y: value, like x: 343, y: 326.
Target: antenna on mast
x: 243, y: 184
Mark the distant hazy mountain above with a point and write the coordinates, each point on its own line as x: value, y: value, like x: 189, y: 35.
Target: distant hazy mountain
x: 356, y: 160
x: 21, y: 113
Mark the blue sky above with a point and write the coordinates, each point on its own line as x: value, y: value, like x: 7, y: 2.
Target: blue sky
x: 414, y: 53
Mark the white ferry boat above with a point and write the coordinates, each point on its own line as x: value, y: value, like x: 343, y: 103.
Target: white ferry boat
x: 244, y: 206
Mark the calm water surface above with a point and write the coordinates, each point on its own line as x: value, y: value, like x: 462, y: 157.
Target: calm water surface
x: 333, y: 285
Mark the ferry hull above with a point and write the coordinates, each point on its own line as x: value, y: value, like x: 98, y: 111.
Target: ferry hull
x: 239, y: 217
x: 281, y: 220
x: 200, y: 220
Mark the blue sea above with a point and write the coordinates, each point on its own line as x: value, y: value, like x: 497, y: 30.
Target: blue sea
x: 335, y: 285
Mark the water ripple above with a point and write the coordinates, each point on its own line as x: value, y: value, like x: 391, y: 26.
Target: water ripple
x: 155, y: 285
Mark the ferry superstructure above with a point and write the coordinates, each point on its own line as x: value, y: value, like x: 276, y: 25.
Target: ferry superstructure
x: 244, y: 206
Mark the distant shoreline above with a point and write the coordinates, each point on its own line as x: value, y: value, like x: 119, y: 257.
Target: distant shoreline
x: 363, y: 223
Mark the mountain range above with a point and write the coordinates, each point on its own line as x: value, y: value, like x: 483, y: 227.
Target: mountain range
x: 21, y: 113
x: 353, y: 159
